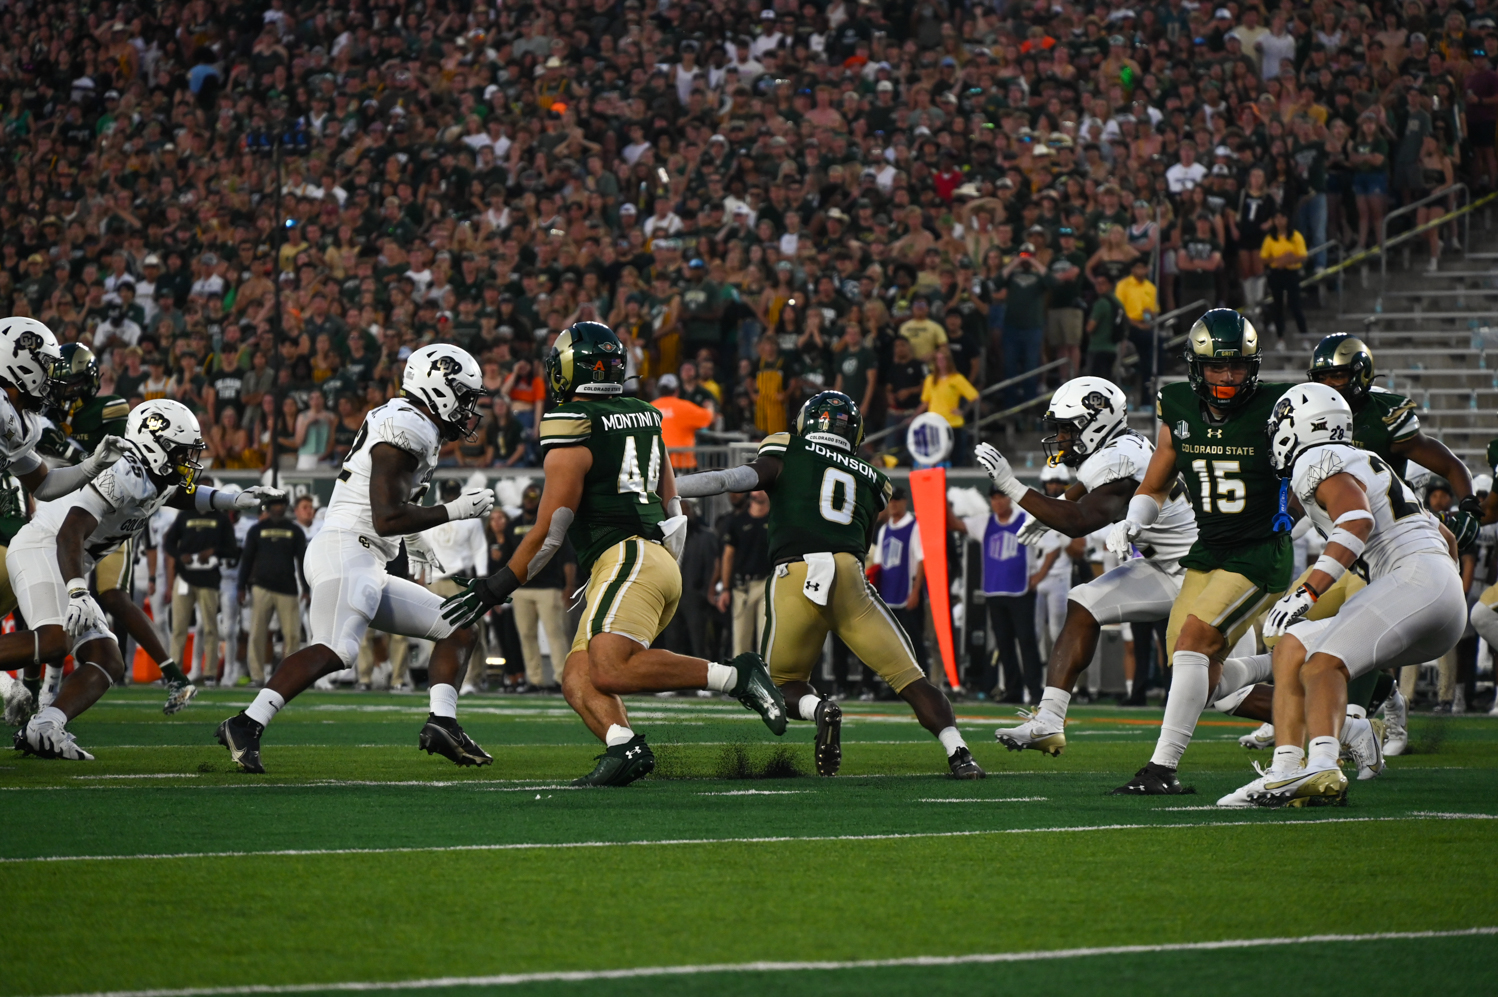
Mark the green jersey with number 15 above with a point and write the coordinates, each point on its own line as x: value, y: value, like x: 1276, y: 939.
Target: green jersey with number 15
x: 619, y: 498
x: 824, y: 499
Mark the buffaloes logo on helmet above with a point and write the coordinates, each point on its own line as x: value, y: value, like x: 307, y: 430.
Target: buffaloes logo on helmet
x: 28, y: 341
x: 155, y: 423
x: 446, y: 366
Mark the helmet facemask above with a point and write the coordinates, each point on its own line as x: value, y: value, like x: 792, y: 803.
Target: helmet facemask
x: 185, y: 460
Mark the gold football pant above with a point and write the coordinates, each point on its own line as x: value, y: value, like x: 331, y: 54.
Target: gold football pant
x: 796, y: 627
x: 113, y: 571
x: 633, y: 591
x: 1225, y: 600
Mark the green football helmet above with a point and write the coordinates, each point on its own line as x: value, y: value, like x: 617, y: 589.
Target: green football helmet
x: 1223, y: 337
x: 587, y: 359
x: 76, y: 376
x: 1343, y: 353
x: 831, y: 418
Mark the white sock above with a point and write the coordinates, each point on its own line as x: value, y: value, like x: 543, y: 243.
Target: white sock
x: 1357, y: 711
x: 1240, y: 672
x: 1055, y: 701
x: 1183, y: 707
x: 266, y: 705
x: 1324, y: 751
x: 617, y: 735
x: 951, y: 740
x: 51, y: 679
x: 721, y: 678
x: 50, y: 714
x: 1287, y: 759
x: 807, y: 706
x: 444, y: 700
x: 1128, y: 687
x: 1351, y: 727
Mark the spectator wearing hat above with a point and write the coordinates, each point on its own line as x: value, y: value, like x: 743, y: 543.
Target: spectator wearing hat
x: 1024, y: 290
x: 680, y: 421
x: 270, y: 573
x: 1009, y: 580
x: 901, y: 571
x: 923, y: 335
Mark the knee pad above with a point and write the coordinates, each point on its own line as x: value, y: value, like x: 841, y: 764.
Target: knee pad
x: 1485, y: 622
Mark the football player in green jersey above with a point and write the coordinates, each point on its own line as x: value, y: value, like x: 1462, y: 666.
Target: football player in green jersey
x: 1484, y: 617
x: 825, y: 503
x: 608, y: 488
x: 1212, y: 435
x: 81, y: 417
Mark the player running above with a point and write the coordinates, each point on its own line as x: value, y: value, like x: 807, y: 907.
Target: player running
x: 1212, y: 435
x: 1090, y: 419
x: 52, y: 555
x: 825, y: 503
x: 374, y: 505
x: 608, y: 488
x: 1412, y: 610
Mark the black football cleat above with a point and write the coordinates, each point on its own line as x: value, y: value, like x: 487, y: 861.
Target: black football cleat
x: 1153, y: 780
x: 829, y: 745
x: 758, y: 692
x: 621, y: 765
x: 963, y: 766
x: 241, y: 735
x: 442, y: 736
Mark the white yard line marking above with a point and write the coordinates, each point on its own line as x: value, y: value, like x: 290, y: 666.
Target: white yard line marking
x: 149, y: 775
x: 993, y: 799
x: 756, y: 792
x: 1182, y: 809
x: 776, y: 839
x: 583, y: 976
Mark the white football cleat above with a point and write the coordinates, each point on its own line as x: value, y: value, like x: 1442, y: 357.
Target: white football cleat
x: 1242, y: 797
x: 17, y: 700
x: 48, y: 739
x: 1259, y: 739
x: 1396, y: 721
x: 1040, y: 731
x: 1305, y: 788
x: 1361, y: 744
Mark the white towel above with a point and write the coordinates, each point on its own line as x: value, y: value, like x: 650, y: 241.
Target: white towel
x: 820, y: 570
x: 674, y: 535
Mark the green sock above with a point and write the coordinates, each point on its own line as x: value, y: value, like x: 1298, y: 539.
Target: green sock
x: 172, y: 673
x: 1361, y: 688
x: 33, y: 686
x: 1381, y: 690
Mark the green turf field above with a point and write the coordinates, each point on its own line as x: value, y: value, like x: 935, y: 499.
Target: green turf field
x: 358, y: 860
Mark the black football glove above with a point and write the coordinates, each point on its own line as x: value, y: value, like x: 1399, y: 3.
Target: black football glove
x: 479, y: 595
x: 1465, y: 522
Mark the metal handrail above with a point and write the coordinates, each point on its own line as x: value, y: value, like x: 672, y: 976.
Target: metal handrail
x: 996, y: 386
x: 1332, y: 270
x: 1012, y: 410
x: 1383, y: 230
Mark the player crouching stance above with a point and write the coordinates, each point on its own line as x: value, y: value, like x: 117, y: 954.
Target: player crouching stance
x: 1092, y: 434
x: 68, y: 537
x: 387, y: 471
x: 825, y: 502
x: 1412, y: 610
x: 608, y: 486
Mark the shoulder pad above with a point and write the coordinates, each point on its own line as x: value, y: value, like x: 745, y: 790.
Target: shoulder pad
x: 1319, y: 463
x: 404, y: 428
x: 125, y: 483
x: 114, y: 408
x: 775, y: 443
x: 1125, y: 457
x: 566, y: 425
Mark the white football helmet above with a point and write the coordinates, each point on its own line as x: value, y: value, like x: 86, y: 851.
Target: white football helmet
x: 1093, y: 409
x: 1304, y: 416
x: 1055, y: 472
x: 1482, y: 483
x: 167, y: 437
x: 27, y: 352
x: 448, y: 382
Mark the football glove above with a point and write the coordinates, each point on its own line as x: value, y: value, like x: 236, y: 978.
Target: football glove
x: 1121, y: 538
x: 470, y: 505
x: 1032, y: 532
x: 421, y: 558
x: 997, y: 466
x: 1290, y: 610
x: 1465, y: 523
x: 479, y: 595
x: 258, y: 495
x: 109, y: 450
x: 84, y: 613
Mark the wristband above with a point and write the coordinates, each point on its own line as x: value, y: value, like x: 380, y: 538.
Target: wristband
x: 1330, y: 565
x: 1015, y: 489
x: 77, y: 584
x: 1143, y: 509
x: 1351, y: 541
x: 497, y: 587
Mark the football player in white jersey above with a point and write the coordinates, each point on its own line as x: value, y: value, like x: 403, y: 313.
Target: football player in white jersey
x: 1090, y: 418
x: 52, y: 555
x: 1412, y: 610
x: 374, y: 505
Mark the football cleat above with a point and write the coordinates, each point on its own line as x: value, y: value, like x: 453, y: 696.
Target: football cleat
x: 1153, y: 780
x: 178, y: 695
x: 1396, y: 722
x: 621, y: 765
x: 18, y: 701
x: 442, y: 736
x: 1242, y: 797
x: 49, y: 739
x: 757, y: 691
x: 829, y: 743
x: 962, y: 765
x: 241, y: 735
x: 1306, y: 788
x: 1039, y: 731
x: 1260, y: 739
x: 1360, y: 744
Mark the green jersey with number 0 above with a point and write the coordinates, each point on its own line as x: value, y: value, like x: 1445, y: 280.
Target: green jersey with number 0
x: 1234, y: 490
x: 619, y: 498
x: 823, y: 499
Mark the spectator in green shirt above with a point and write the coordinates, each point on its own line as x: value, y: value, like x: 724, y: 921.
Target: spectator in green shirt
x: 1023, y: 290
x: 1105, y: 327
x: 857, y: 368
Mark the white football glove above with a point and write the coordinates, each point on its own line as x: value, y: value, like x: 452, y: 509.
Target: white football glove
x: 674, y: 535
x: 997, y: 466
x: 84, y: 613
x: 420, y: 557
x: 1290, y: 610
x: 1032, y: 532
x: 258, y: 495
x: 109, y: 450
x: 1121, y: 538
x: 470, y: 505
